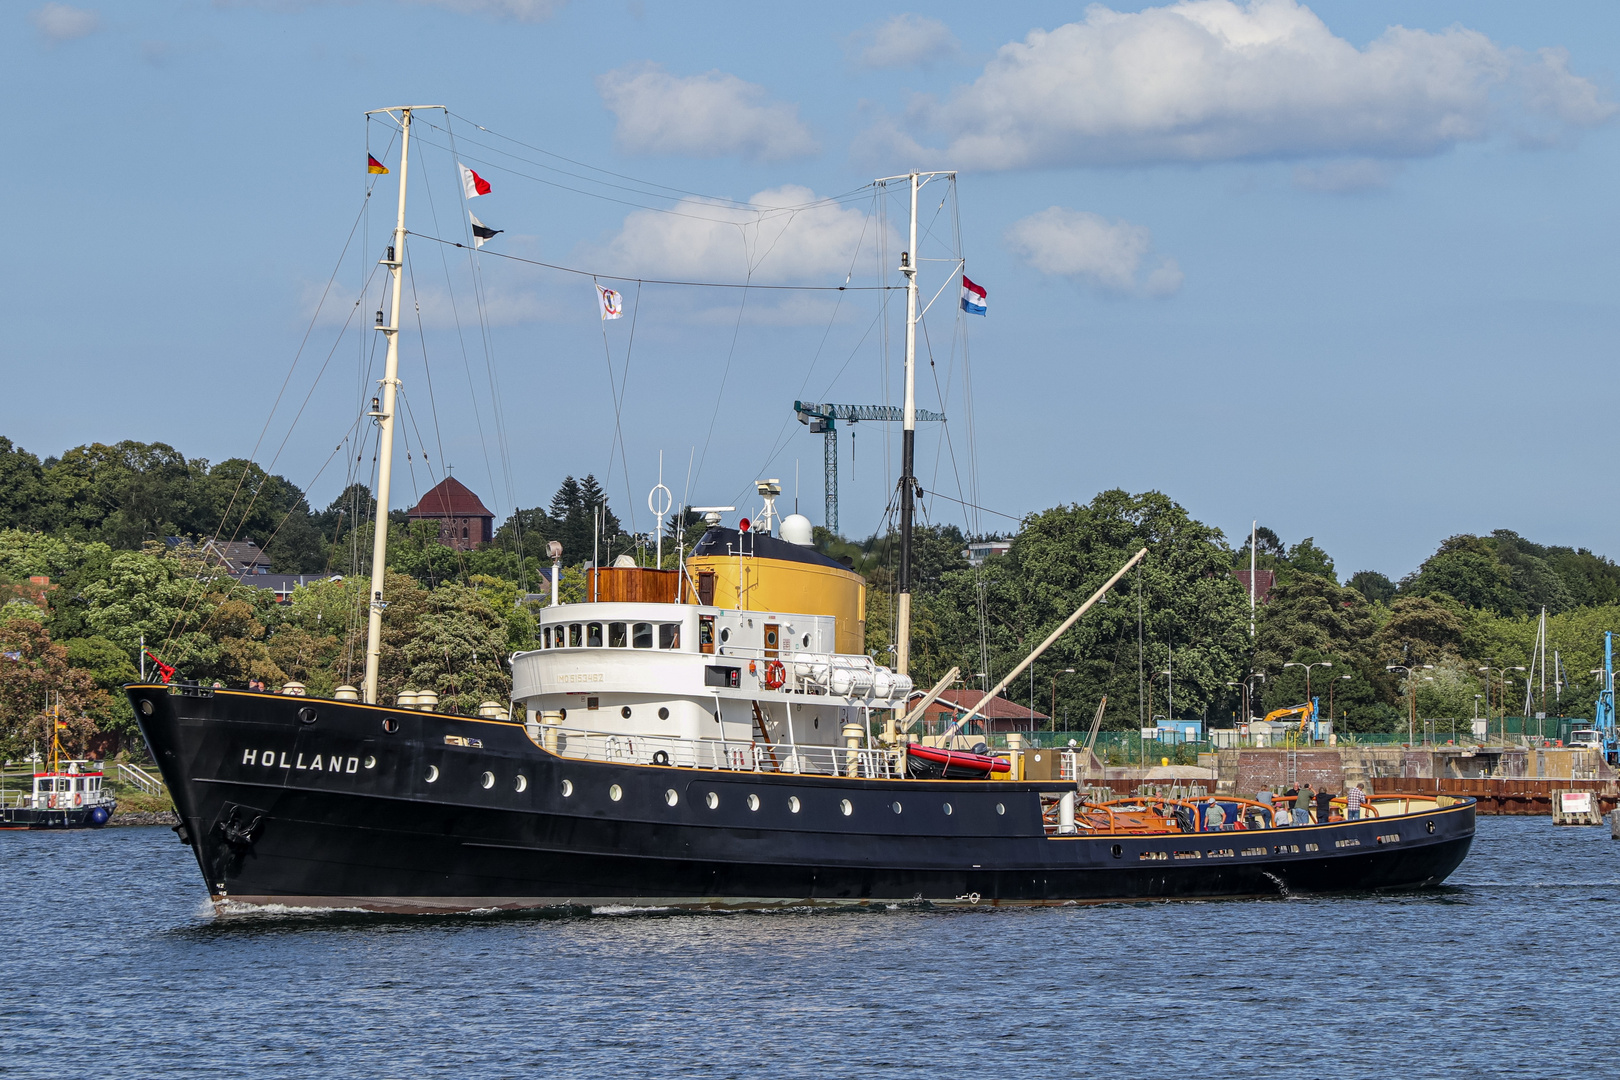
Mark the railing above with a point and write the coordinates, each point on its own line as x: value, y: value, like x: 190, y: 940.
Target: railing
x: 139, y: 777
x: 740, y: 755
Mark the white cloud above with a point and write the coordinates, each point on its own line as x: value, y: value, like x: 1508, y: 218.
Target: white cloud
x: 1218, y: 80
x: 703, y: 115
x: 1115, y: 256
x: 529, y: 11
x: 904, y: 41
x: 59, y: 22
x: 785, y: 235
x: 1340, y: 177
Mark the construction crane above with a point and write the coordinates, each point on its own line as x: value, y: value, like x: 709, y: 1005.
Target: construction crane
x: 823, y: 420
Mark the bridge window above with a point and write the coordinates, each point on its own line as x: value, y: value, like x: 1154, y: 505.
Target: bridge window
x: 593, y: 635
x: 642, y: 638
x: 669, y: 635
x: 617, y: 638
x: 545, y: 637
x: 575, y: 637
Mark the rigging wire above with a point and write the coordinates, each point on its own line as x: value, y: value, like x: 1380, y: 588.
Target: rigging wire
x: 497, y: 399
x: 594, y: 274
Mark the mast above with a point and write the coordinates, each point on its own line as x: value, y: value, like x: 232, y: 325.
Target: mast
x: 383, y: 412
x: 908, y: 445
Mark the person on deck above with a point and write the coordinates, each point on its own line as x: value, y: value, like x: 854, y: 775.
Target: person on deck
x: 1302, y: 806
x: 1214, y: 816
x: 1324, y: 806
x: 1352, y: 803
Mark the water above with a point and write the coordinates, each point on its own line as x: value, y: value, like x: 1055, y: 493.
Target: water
x: 112, y: 965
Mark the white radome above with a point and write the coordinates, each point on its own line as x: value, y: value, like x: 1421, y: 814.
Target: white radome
x: 796, y: 529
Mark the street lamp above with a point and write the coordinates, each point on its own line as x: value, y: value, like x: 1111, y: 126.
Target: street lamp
x: 1411, y: 686
x: 1308, y: 699
x: 1501, y: 701
x: 1307, y: 667
x: 1066, y: 671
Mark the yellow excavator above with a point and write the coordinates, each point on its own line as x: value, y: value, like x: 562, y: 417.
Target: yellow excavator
x: 1305, y: 712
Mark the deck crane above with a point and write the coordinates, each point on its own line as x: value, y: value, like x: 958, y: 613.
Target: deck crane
x: 823, y: 418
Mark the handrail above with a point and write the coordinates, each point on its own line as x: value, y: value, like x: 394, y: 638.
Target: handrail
x: 743, y: 755
x: 140, y: 778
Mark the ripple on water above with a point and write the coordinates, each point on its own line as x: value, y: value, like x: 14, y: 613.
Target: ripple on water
x: 1474, y: 978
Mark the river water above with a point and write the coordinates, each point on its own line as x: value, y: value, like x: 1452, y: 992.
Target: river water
x: 113, y: 965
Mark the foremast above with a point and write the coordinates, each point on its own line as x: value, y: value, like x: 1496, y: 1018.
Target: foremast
x: 382, y: 408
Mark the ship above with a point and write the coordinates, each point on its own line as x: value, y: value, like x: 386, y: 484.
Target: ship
x: 712, y: 736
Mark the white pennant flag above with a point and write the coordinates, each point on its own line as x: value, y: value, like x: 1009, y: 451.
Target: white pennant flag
x: 612, y: 304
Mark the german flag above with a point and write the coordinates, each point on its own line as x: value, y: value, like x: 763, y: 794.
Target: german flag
x: 375, y: 166
x: 61, y: 725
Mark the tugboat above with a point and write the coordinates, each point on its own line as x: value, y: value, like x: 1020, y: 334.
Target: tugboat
x: 67, y: 795
x: 710, y: 736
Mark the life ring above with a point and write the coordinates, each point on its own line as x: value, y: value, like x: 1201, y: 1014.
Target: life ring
x: 775, y: 675
x: 660, y: 757
x: 78, y: 798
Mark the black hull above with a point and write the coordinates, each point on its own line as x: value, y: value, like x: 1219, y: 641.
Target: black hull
x: 344, y: 816
x: 26, y: 817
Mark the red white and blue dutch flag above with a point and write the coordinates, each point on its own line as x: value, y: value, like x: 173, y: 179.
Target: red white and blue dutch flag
x: 974, y: 299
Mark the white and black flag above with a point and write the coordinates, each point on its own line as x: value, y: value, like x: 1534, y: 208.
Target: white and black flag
x: 481, y: 232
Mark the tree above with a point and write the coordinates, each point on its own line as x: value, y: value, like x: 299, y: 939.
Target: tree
x: 456, y: 649
x: 20, y: 476
x: 573, y: 511
x: 1373, y: 585
x: 1307, y: 558
x: 1194, y: 613
x: 36, y: 678
x: 1466, y: 569
x: 1420, y: 630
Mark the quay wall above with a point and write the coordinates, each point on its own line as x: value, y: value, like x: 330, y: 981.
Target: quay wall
x: 1505, y: 780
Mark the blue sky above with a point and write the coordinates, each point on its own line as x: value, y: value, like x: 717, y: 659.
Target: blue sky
x: 1348, y: 268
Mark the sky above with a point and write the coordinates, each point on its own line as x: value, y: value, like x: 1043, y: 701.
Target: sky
x: 1347, y: 268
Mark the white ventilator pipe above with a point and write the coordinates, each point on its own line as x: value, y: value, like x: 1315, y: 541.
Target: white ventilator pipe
x: 1043, y: 646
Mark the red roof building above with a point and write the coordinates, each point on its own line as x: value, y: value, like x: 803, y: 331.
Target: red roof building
x: 1264, y: 580
x: 464, y: 521
x: 999, y: 713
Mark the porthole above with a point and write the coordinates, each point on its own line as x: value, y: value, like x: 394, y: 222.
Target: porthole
x: 521, y: 783
x: 806, y: 641
x: 1000, y: 809
x: 370, y: 762
x: 753, y: 802
x: 567, y: 788
x: 671, y: 797
x: 488, y: 780
x: 615, y: 792
x: 711, y: 800
x: 846, y: 807
x: 390, y: 725
x: 625, y: 712
x: 1116, y: 851
x: 663, y: 713
x: 307, y: 715
x: 1431, y: 826
x: 793, y: 803
x: 432, y: 773
x: 725, y: 635
x: 895, y: 806
x: 146, y: 708
x: 948, y: 810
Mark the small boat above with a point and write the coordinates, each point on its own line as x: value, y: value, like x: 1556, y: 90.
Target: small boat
x: 936, y: 763
x: 70, y: 794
